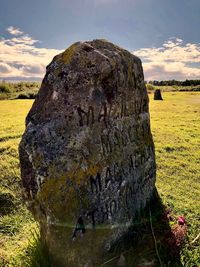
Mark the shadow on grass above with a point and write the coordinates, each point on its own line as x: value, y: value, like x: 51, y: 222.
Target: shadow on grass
x: 149, y: 242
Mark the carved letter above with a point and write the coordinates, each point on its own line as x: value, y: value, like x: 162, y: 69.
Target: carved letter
x: 103, y: 112
x: 105, y: 213
x: 79, y: 227
x: 108, y: 178
x: 113, y: 207
x: 90, y: 116
x: 82, y: 114
x: 95, y: 183
x: 91, y: 214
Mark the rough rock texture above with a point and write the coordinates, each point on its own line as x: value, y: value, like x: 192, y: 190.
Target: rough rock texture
x: 87, y: 155
x: 157, y: 95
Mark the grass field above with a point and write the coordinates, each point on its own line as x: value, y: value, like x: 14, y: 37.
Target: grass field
x: 29, y: 90
x: 18, y: 90
x: 175, y: 124
x: 173, y: 88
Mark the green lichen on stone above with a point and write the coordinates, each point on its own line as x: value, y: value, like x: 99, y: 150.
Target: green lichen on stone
x: 67, y: 55
x: 58, y: 196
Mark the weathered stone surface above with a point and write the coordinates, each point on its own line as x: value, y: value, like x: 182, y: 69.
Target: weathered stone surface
x: 87, y: 155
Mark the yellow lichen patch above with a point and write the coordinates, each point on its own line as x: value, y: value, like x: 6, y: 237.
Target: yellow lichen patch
x: 56, y: 71
x: 38, y: 159
x: 67, y: 55
x: 76, y: 175
x: 60, y: 194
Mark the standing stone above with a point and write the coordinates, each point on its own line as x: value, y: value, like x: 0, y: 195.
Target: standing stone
x: 157, y: 95
x: 87, y: 154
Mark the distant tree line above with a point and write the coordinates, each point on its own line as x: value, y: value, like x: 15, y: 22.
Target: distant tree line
x: 18, y: 90
x: 174, y: 82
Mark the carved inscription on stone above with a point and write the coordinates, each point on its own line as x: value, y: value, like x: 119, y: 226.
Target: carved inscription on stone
x: 118, y: 187
x: 114, y: 191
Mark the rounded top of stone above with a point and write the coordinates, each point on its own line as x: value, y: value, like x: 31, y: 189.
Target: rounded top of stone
x: 101, y: 46
x: 93, y: 70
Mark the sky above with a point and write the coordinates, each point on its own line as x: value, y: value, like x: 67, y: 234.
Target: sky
x: 165, y: 34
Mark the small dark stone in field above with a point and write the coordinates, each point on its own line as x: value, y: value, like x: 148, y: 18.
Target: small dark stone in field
x: 26, y: 96
x: 87, y: 155
x: 23, y: 96
x: 157, y: 95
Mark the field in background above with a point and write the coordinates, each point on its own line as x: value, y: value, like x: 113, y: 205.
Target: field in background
x: 173, y: 88
x: 175, y: 124
x: 18, y: 90
x: 28, y: 90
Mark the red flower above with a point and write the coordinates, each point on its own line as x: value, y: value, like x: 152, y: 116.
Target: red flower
x: 181, y: 220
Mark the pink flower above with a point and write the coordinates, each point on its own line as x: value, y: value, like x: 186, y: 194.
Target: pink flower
x: 181, y: 220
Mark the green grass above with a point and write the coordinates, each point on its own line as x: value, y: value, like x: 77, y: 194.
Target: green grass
x: 28, y: 90
x: 15, y: 218
x: 175, y: 124
x: 16, y: 90
x: 173, y: 88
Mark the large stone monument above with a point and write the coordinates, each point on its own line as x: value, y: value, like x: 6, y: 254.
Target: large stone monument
x: 87, y: 154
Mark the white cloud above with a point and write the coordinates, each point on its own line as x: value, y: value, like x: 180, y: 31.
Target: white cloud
x: 14, y: 31
x: 21, y: 58
x: 5, y: 68
x: 24, y: 39
x: 173, y: 60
